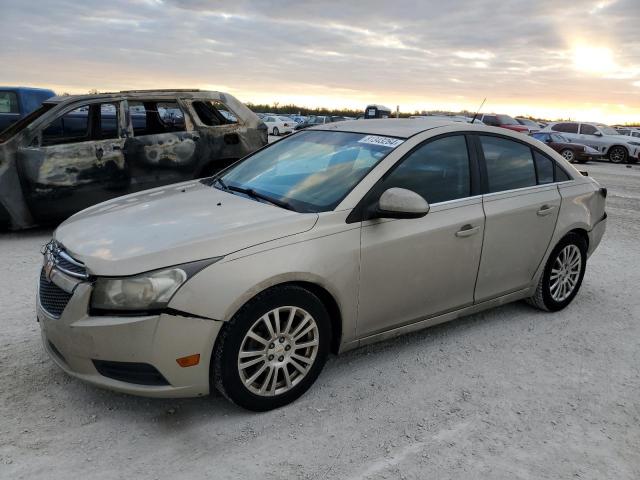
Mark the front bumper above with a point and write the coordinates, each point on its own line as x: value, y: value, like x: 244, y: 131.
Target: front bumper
x: 75, y: 340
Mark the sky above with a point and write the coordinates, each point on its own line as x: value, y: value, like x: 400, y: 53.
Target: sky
x: 551, y: 59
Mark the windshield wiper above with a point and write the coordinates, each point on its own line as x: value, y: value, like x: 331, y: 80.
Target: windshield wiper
x: 252, y: 193
x: 220, y: 182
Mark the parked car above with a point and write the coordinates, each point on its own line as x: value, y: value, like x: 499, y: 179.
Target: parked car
x: 532, y: 126
x: 327, y: 240
x: 503, y: 121
x: 314, y: 120
x: 277, y: 125
x: 617, y: 148
x: 18, y: 102
x: 572, y: 152
x: 629, y: 131
x: 76, y: 151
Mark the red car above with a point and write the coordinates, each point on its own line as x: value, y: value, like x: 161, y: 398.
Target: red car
x: 504, y: 121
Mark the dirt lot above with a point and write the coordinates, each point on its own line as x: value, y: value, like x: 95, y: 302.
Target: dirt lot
x: 512, y: 393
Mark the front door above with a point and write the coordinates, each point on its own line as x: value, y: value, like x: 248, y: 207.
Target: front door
x: 163, y: 147
x: 416, y: 268
x: 75, y: 161
x: 521, y: 210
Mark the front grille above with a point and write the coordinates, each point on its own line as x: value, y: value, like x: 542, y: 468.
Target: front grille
x: 55, y: 253
x: 52, y: 298
x: 138, y: 373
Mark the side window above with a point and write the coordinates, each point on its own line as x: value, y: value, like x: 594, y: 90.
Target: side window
x: 437, y: 170
x: 150, y: 117
x: 9, y: 102
x: 586, y: 129
x: 71, y: 127
x: 98, y: 121
x: 561, y: 175
x: 565, y: 127
x: 509, y: 164
x: 213, y: 113
x: 108, y: 127
x: 544, y: 168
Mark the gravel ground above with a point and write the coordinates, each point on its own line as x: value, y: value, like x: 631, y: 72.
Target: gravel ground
x: 512, y: 393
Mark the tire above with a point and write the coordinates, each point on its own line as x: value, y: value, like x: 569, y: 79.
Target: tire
x: 550, y: 299
x: 276, y: 132
x: 569, y: 155
x: 618, y: 154
x: 253, y: 386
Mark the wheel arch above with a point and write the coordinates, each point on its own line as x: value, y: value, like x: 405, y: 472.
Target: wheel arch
x: 611, y: 147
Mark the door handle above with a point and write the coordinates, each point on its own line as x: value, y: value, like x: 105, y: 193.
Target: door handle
x: 546, y: 210
x: 467, y: 230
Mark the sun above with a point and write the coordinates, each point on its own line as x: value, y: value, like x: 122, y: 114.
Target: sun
x: 593, y: 59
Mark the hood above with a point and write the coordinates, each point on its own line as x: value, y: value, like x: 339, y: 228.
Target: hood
x: 172, y: 225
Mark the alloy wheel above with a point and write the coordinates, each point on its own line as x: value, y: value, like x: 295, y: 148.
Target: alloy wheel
x: 565, y: 273
x: 618, y: 155
x: 278, y: 351
x: 568, y: 155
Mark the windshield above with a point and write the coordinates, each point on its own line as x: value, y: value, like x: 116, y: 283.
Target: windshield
x: 23, y: 122
x: 311, y: 171
x: 607, y: 130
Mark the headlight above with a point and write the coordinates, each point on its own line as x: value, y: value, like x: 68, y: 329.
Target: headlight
x: 144, y: 292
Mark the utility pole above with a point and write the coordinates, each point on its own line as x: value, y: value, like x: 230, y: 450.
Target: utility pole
x: 397, y: 111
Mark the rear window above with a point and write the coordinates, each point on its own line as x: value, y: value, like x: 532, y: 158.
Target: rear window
x: 151, y: 117
x: 507, y: 120
x: 9, y: 102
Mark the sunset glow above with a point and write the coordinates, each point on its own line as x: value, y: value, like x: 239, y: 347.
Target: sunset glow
x: 581, y: 61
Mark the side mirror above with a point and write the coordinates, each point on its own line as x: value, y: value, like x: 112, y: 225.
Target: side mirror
x: 598, y: 134
x: 401, y: 203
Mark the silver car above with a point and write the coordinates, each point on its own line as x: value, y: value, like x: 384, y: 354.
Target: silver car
x: 330, y: 239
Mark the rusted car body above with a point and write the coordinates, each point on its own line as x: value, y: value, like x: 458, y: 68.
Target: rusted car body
x: 77, y: 151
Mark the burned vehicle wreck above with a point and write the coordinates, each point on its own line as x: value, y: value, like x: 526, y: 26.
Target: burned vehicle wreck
x: 76, y: 151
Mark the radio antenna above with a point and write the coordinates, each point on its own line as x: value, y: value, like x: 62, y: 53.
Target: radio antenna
x: 479, y: 109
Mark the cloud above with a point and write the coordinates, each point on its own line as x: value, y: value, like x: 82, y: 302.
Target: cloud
x: 519, y: 53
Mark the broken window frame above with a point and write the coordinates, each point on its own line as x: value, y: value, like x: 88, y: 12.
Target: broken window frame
x: 188, y: 122
x: 37, y: 139
x: 198, y: 121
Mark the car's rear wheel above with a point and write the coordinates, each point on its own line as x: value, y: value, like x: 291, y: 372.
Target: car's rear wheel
x: 618, y: 154
x: 276, y: 132
x: 562, y: 275
x: 273, y: 349
x: 568, y: 154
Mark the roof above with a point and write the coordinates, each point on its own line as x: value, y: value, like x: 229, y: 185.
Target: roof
x: 135, y: 94
x: 401, y: 127
x: 29, y: 89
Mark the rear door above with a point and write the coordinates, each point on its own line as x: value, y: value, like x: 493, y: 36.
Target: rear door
x: 521, y: 209
x: 416, y: 268
x: 76, y: 160
x: 162, y: 143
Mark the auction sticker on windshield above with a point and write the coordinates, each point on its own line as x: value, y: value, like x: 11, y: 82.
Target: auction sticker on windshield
x: 389, y: 142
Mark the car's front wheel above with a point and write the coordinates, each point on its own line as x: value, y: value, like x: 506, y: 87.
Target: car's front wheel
x: 562, y: 275
x: 273, y: 349
x: 276, y: 132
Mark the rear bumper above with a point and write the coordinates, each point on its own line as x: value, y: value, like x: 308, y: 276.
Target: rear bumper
x: 596, y: 234
x: 104, y: 350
